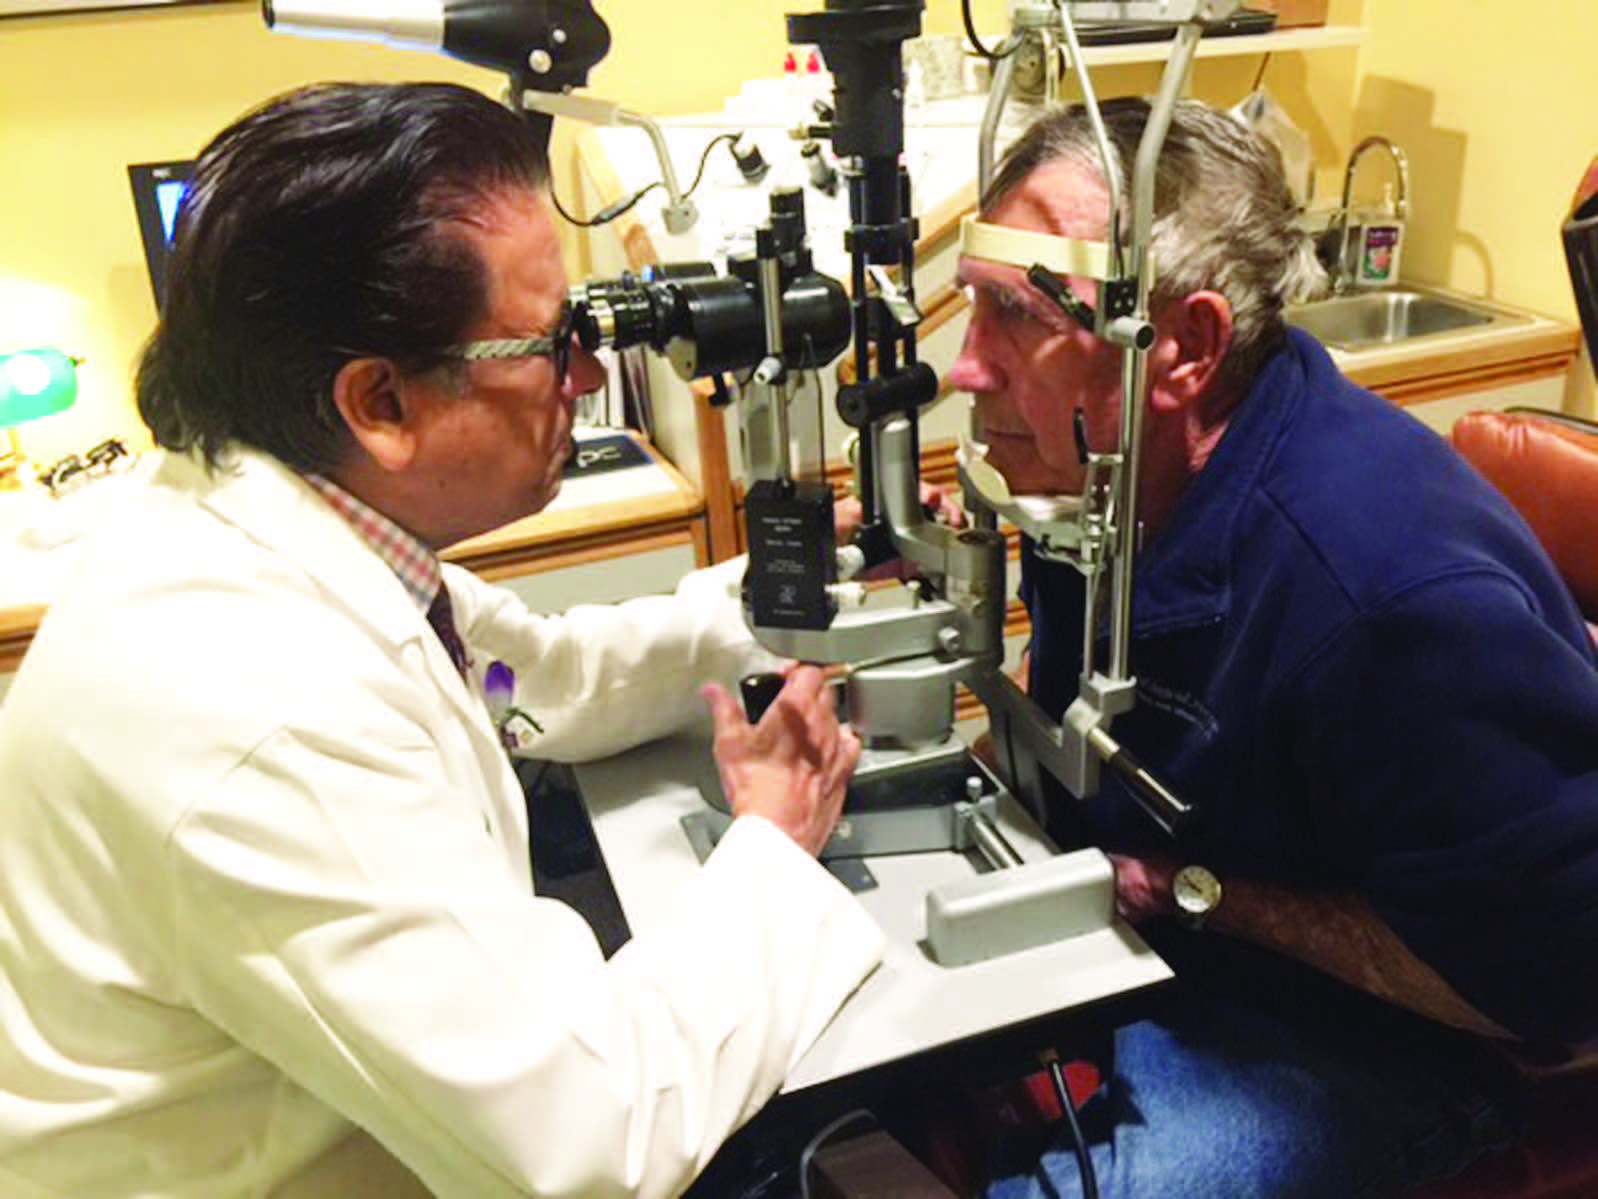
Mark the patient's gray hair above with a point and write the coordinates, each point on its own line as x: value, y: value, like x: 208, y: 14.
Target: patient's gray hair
x: 1224, y: 217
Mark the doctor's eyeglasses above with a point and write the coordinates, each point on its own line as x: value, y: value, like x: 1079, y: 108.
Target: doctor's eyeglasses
x: 556, y: 346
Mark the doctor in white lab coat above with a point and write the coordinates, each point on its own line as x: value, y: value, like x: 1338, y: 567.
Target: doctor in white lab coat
x: 266, y: 916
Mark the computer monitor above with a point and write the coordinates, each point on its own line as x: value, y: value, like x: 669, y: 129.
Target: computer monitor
x: 1581, y: 256
x: 158, y: 189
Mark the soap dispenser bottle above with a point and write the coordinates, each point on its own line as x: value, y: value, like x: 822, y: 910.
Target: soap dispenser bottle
x: 1380, y: 245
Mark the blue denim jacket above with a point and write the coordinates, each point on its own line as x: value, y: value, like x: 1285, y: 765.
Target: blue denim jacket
x: 1353, y: 656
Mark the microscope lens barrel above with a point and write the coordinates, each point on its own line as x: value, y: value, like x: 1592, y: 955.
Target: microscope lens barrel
x: 712, y: 324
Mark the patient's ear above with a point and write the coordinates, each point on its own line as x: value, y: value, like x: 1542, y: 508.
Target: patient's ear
x: 379, y: 410
x: 1195, y: 334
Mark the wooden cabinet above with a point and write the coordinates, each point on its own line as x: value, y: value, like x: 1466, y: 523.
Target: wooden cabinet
x: 1442, y: 378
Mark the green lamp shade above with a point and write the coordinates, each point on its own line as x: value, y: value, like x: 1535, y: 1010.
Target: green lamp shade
x: 35, y: 383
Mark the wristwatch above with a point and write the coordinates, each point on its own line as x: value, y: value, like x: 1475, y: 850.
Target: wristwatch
x: 1197, y: 893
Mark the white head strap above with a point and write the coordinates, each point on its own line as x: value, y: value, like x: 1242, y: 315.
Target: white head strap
x: 1022, y: 248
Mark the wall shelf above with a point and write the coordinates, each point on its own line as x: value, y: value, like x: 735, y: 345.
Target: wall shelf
x: 1312, y: 37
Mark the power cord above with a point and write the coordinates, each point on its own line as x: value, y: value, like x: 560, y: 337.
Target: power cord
x: 626, y: 204
x: 1079, y: 1145
x: 976, y: 42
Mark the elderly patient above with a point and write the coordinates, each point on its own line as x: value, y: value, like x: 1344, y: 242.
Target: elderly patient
x: 1350, y: 655
x: 267, y: 925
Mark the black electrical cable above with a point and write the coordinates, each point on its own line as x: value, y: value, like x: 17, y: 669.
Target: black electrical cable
x: 971, y: 34
x: 704, y: 158
x: 620, y: 207
x: 1079, y: 1145
x: 605, y: 215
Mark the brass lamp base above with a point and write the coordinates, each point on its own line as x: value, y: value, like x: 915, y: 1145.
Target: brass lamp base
x: 13, y: 476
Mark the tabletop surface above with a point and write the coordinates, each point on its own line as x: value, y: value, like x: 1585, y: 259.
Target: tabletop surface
x: 910, y: 1004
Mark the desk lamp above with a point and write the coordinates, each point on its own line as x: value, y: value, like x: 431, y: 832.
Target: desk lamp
x: 33, y: 383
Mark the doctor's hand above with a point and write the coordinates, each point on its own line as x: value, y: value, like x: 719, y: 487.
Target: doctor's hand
x: 791, y: 767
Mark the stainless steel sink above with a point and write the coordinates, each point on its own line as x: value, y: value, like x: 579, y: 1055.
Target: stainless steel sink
x: 1395, y: 316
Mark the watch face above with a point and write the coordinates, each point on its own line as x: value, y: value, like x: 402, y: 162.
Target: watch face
x: 1196, y: 891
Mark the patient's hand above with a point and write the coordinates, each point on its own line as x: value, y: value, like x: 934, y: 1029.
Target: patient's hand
x: 1142, y: 887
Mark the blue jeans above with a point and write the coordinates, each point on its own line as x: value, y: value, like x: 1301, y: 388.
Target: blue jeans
x: 1215, y: 1097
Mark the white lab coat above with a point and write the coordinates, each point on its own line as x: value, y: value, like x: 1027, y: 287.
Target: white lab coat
x: 265, y: 911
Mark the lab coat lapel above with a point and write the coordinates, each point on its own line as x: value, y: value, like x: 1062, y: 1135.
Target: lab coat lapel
x: 283, y: 515
x: 278, y: 509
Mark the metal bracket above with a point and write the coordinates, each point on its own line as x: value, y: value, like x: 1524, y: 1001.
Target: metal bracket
x: 900, y: 305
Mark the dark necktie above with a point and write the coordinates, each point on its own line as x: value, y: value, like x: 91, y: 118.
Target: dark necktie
x: 442, y: 617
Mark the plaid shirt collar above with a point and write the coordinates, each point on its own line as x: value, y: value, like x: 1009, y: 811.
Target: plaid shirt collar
x: 415, y: 564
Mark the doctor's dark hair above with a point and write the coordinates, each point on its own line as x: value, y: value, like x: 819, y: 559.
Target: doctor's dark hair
x: 319, y: 228
x: 1224, y: 217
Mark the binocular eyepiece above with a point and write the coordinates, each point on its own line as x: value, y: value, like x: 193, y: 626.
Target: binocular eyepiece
x: 707, y: 323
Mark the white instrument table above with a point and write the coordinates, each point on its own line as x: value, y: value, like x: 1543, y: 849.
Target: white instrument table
x: 910, y: 1004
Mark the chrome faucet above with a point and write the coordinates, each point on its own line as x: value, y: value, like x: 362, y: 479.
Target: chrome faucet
x: 1342, y: 278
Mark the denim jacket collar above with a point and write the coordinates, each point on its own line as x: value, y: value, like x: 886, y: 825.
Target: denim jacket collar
x: 1182, y: 575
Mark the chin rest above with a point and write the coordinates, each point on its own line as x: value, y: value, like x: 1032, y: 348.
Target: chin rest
x: 1546, y: 464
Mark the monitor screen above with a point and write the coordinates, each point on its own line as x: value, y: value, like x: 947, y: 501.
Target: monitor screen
x: 158, y: 189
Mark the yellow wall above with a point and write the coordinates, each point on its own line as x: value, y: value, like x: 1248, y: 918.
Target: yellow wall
x: 1494, y: 101
x: 1496, y: 144
x: 83, y: 95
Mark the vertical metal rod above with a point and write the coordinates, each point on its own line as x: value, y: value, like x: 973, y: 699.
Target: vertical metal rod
x: 907, y: 264
x: 865, y: 467
x: 1092, y: 597
x: 776, y: 387
x: 1112, y: 171
x: 987, y: 135
x: 1134, y: 371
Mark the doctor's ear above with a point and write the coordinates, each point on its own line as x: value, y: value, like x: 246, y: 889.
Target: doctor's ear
x: 1195, y: 335
x: 371, y: 395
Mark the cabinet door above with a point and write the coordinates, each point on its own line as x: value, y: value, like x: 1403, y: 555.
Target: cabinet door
x: 1441, y: 414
